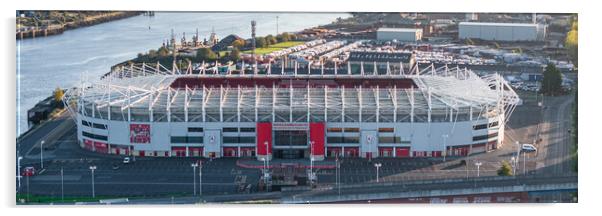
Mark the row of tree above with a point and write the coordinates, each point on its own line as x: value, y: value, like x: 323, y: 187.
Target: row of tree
x: 571, y: 42
x: 552, y: 81
x: 264, y: 42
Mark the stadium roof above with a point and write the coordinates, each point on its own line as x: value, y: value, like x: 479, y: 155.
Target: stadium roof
x: 432, y: 91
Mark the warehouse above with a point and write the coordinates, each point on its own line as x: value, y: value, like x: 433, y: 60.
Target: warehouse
x: 502, y: 31
x: 147, y: 110
x: 399, y: 34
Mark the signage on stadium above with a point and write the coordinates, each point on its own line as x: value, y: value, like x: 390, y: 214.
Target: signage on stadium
x: 285, y: 126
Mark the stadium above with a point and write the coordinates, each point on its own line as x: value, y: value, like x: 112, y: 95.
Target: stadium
x: 368, y: 110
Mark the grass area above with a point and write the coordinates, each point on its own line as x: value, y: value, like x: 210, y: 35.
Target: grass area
x: 44, y: 199
x: 275, y: 47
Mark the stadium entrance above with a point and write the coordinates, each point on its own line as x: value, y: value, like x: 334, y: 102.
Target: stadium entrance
x: 290, y: 144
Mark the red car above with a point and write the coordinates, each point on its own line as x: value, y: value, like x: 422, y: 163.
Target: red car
x: 29, y: 171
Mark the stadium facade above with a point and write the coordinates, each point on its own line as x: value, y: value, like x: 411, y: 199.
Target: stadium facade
x: 354, y: 111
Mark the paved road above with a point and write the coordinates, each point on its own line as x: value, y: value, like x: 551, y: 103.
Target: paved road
x: 173, y: 176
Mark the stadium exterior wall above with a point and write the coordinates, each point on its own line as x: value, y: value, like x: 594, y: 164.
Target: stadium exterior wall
x: 423, y: 139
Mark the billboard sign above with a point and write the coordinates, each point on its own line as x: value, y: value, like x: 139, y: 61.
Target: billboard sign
x: 140, y: 133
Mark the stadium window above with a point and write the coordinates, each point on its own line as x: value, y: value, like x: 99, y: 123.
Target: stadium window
x: 85, y: 123
x: 178, y: 139
x: 335, y: 130
x: 247, y: 139
x: 247, y: 129
x: 493, y: 124
x: 94, y: 136
x: 230, y: 129
x: 482, y: 137
x: 386, y: 130
x: 195, y: 139
x: 334, y: 139
x: 479, y: 127
x: 386, y: 139
x: 230, y: 139
x: 351, y: 140
x: 99, y: 126
x: 352, y: 130
x: 195, y: 129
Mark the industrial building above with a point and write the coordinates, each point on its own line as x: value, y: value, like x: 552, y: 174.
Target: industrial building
x: 399, y: 34
x: 502, y: 31
x: 148, y: 110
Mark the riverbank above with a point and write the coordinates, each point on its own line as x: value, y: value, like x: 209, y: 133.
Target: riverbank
x: 24, y: 32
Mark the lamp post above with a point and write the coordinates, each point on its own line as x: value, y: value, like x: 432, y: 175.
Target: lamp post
x: 92, y: 168
x: 19, y: 172
x: 377, y: 165
x: 517, y: 159
x: 41, y: 154
x: 194, y: 166
x: 338, y: 178
x: 277, y: 26
x: 513, y: 162
x: 266, y: 174
x: 370, y: 148
x: 200, y: 178
x: 62, y: 186
x: 311, y: 158
x: 444, y: 145
x: 478, y: 164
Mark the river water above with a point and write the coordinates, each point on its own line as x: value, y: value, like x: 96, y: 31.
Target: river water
x: 44, y: 64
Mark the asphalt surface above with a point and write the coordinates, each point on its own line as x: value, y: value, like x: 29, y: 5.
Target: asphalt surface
x: 164, y: 177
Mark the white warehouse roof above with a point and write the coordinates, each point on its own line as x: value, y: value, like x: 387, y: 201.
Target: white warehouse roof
x: 499, y: 24
x: 398, y: 30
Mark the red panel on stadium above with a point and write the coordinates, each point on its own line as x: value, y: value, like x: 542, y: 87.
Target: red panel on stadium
x: 264, y: 134
x: 316, y: 134
x: 402, y: 152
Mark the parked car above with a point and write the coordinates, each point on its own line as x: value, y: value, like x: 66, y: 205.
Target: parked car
x: 115, y: 167
x: 126, y: 160
x: 528, y: 148
x: 28, y: 171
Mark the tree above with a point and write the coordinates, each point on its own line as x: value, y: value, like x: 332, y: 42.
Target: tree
x: 206, y: 54
x: 163, y: 51
x: 284, y: 37
x: 572, y: 40
x: 240, y: 43
x: 505, y: 170
x: 270, y: 40
x: 235, y: 55
x: 58, y: 94
x: 260, y: 42
x: 552, y: 81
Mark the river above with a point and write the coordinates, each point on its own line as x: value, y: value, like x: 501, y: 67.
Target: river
x: 44, y: 64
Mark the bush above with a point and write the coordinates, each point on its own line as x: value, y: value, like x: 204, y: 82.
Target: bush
x: 206, y: 54
x: 505, y: 170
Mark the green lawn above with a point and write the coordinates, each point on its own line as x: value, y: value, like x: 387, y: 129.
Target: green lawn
x: 275, y: 47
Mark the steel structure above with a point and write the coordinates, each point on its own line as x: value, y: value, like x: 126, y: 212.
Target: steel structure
x: 416, y: 99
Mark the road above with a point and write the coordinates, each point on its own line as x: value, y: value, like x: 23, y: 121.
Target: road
x: 174, y: 176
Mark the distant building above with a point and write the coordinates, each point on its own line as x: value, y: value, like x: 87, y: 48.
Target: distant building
x: 400, y: 34
x: 502, y: 31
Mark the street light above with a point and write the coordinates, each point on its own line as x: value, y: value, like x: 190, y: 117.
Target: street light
x: 337, y: 176
x: 194, y: 165
x: 19, y: 171
x: 444, y: 145
x: 92, y: 168
x: 41, y: 152
x: 478, y: 164
x: 200, y: 178
x: 277, y: 25
x: 517, y: 159
x: 311, y: 158
x: 377, y: 165
x: 62, y: 186
x: 513, y: 162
